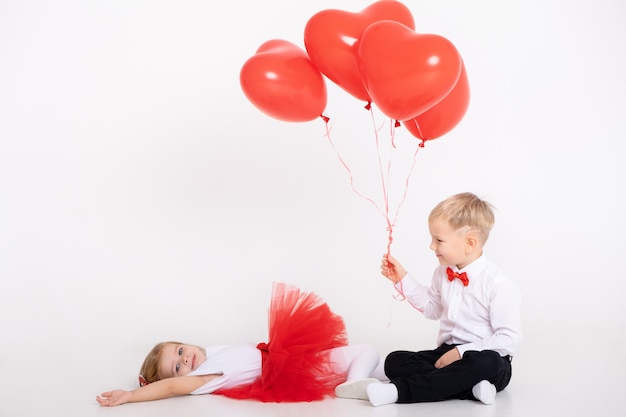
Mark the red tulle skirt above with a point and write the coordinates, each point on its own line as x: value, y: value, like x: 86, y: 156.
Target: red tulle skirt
x: 296, y: 360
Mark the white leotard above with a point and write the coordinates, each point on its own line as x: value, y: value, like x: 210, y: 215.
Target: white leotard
x: 237, y: 364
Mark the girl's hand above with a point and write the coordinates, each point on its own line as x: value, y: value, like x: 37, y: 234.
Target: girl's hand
x: 112, y: 398
x: 392, y: 269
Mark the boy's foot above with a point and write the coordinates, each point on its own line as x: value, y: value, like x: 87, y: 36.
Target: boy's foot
x: 354, y: 389
x: 485, y: 392
x: 382, y: 394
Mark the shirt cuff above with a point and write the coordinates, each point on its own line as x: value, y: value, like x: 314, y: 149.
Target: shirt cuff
x: 406, y: 285
x: 466, y: 347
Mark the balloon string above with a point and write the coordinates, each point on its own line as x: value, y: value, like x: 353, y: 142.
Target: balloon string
x: 421, y: 135
x: 356, y: 191
x: 385, y: 176
x: 406, y: 182
x: 392, y: 133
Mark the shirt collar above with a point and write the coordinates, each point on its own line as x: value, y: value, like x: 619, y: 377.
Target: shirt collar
x: 475, y: 268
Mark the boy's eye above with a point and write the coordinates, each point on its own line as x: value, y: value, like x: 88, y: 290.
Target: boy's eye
x: 177, y: 367
x: 180, y: 351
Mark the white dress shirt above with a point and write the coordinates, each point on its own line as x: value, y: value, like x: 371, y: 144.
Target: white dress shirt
x: 485, y: 315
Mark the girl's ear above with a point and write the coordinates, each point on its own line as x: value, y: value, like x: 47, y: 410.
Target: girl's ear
x: 143, y: 381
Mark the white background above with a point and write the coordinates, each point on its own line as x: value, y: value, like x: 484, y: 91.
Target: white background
x: 144, y: 198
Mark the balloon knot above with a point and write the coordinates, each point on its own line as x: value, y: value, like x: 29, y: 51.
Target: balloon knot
x: 397, y: 123
x: 325, y: 118
x: 368, y: 106
x: 422, y: 143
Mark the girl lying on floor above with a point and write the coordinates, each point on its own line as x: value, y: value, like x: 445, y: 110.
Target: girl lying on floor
x: 307, y: 358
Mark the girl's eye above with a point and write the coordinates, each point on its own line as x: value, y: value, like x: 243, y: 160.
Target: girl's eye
x: 180, y: 351
x: 177, y: 367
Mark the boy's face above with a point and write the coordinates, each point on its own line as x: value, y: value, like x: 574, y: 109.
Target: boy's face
x: 179, y: 360
x: 450, y: 245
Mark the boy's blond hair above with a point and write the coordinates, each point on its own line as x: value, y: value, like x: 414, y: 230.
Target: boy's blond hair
x: 466, y: 213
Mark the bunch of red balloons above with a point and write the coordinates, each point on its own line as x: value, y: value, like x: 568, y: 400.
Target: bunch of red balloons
x: 376, y: 56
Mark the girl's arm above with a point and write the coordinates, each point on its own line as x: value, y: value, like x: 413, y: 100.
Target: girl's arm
x: 165, y: 388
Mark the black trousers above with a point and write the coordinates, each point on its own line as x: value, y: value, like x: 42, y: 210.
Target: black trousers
x: 417, y: 379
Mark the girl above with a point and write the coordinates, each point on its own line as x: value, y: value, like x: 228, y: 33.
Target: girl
x: 306, y: 359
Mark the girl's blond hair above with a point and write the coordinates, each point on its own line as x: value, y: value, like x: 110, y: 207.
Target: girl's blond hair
x: 150, y: 368
x: 465, y: 212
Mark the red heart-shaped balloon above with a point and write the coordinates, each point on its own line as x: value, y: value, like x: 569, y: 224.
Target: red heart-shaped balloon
x: 443, y: 116
x: 330, y: 37
x: 281, y: 81
x: 406, y: 73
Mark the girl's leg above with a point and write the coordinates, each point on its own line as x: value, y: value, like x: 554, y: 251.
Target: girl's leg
x: 358, y: 362
x: 362, y: 366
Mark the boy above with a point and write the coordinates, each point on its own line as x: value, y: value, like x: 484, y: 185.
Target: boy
x: 477, y: 305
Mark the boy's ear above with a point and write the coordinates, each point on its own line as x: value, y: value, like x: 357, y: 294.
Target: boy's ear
x: 471, y: 242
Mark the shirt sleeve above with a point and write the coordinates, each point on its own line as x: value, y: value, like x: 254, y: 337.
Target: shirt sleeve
x: 211, y: 386
x: 423, y: 298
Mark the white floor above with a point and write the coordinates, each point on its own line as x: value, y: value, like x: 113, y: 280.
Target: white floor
x: 574, y: 374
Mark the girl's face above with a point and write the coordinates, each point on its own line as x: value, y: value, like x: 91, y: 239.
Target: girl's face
x: 179, y: 360
x: 450, y: 246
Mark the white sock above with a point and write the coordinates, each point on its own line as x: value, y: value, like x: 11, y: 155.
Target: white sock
x: 485, y: 392
x: 382, y: 394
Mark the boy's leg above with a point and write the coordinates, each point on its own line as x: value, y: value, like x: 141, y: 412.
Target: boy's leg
x: 405, y: 364
x: 400, y: 365
x: 453, y: 381
x: 500, y: 367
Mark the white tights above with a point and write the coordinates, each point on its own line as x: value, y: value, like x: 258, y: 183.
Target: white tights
x: 358, y: 362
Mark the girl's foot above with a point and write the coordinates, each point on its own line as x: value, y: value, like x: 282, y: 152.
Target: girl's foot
x: 354, y: 389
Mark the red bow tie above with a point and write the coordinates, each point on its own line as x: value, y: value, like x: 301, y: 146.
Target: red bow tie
x: 462, y: 276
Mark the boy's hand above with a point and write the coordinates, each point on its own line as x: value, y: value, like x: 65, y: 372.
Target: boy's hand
x: 447, y: 358
x: 392, y: 269
x: 112, y: 398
